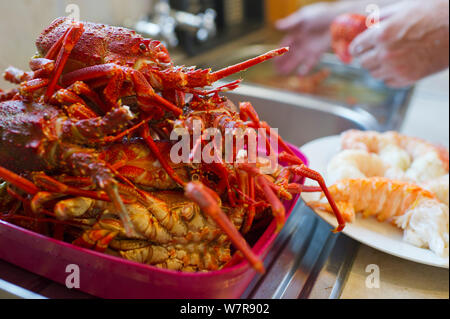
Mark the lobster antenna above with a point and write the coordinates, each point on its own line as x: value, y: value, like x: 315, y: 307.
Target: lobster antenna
x: 113, y: 193
x: 216, y: 76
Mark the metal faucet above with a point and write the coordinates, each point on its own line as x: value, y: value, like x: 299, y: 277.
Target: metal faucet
x: 165, y: 20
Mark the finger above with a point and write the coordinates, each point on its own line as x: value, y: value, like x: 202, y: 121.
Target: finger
x: 291, y: 62
x: 307, y: 65
x: 363, y: 42
x: 398, y: 83
x: 381, y: 73
x: 370, y: 60
x: 293, y: 21
x: 290, y: 40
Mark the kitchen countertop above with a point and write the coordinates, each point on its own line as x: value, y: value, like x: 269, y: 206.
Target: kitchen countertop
x: 428, y: 118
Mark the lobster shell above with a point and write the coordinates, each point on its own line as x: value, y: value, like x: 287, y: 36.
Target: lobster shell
x: 101, y: 44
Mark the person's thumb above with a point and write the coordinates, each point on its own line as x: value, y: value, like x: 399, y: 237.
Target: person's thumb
x: 293, y: 21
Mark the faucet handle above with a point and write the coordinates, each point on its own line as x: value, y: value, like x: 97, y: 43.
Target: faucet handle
x: 166, y: 22
x: 203, y: 23
x: 168, y: 31
x: 162, y: 8
x: 208, y: 27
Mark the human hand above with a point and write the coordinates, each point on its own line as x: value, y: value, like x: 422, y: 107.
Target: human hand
x: 410, y: 43
x: 308, y: 37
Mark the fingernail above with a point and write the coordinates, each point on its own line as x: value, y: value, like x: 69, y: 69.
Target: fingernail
x: 280, y: 24
x: 355, y: 50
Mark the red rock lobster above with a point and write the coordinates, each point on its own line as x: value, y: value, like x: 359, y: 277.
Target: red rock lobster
x: 68, y: 116
x: 344, y: 29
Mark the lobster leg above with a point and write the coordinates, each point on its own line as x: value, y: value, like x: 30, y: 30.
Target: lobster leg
x: 147, y: 97
x: 80, y: 111
x: 96, y: 239
x: 303, y: 170
x: 293, y: 188
x: 81, y: 88
x: 278, y: 209
x: 110, y: 188
x: 52, y: 185
x: 77, y: 107
x: 208, y: 202
x: 38, y: 197
x: 129, y: 185
x: 251, y: 210
x: 85, y: 162
x: 30, y: 86
x: 16, y: 76
x: 175, y: 96
x: 289, y: 158
x: 94, y: 129
x: 69, y: 40
x: 110, y: 139
x: 40, y: 68
x: 113, y: 193
x: 247, y: 111
x: 41, y: 198
x: 145, y: 92
x: 6, y: 96
x: 74, y: 105
x: 224, y: 88
x: 145, y: 133
x: 113, y: 88
x: 22, y: 183
x: 281, y: 142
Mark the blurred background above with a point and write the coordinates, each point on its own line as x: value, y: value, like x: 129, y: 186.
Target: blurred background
x: 21, y: 21
x: 208, y: 33
x: 219, y: 33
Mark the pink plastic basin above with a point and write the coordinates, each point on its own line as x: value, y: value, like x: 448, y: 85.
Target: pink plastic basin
x: 107, y: 276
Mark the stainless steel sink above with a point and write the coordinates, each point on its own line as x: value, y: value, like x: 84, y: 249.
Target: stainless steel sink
x: 301, y: 119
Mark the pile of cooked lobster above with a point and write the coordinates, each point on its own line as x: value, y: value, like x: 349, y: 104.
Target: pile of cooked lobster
x: 85, y: 139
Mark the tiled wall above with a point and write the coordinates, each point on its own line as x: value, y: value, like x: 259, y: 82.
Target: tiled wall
x: 21, y: 21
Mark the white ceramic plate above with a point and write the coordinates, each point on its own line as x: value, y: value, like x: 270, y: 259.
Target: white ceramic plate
x: 382, y: 236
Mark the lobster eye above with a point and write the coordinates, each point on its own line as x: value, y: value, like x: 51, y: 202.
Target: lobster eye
x: 142, y: 47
